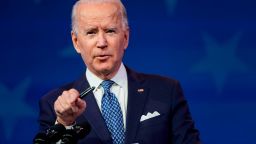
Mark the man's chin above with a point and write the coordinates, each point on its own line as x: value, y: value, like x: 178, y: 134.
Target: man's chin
x: 107, y: 73
x: 104, y: 70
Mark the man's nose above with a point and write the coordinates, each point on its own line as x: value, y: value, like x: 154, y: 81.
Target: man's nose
x: 102, y: 41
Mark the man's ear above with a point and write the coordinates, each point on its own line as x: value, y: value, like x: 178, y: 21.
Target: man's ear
x: 75, y: 42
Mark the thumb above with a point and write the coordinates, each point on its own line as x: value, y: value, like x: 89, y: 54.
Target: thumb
x: 81, y: 104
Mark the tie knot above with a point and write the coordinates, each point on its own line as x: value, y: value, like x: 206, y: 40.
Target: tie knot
x: 106, y: 84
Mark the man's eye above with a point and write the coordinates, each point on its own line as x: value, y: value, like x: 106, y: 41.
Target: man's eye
x: 111, y: 31
x: 90, y: 32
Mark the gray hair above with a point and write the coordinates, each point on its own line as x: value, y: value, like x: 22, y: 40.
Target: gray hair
x: 74, y: 12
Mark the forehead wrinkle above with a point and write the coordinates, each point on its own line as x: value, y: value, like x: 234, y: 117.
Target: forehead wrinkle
x: 98, y: 11
x: 105, y: 19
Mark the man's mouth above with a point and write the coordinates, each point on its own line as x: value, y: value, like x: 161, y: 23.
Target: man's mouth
x: 103, y: 57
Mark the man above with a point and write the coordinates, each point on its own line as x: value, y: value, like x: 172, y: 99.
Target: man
x: 135, y: 108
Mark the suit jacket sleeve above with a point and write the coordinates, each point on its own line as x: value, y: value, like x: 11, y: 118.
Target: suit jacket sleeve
x: 47, y: 116
x: 183, y: 129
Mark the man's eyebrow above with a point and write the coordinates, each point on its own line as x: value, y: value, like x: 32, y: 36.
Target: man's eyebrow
x: 111, y: 28
x: 90, y: 28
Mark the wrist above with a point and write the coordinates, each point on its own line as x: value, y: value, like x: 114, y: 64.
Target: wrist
x: 65, y: 123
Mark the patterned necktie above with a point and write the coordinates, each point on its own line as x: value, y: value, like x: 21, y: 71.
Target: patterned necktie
x: 112, y: 113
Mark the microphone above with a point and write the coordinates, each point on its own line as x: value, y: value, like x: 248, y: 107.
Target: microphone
x: 53, y: 134
x: 71, y: 136
x: 82, y: 130
x: 40, y: 138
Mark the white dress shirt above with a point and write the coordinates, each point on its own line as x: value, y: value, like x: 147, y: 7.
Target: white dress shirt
x: 119, y: 88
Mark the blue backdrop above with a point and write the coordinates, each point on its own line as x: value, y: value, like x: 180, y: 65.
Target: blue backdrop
x: 209, y: 45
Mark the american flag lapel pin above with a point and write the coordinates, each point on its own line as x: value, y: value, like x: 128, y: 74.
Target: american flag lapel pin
x: 141, y: 90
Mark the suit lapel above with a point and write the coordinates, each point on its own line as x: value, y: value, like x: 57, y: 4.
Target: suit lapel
x: 92, y: 113
x: 137, y: 95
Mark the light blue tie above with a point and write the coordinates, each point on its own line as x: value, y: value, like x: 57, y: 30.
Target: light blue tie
x: 112, y: 113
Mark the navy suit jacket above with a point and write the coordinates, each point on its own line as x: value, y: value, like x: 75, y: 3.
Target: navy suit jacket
x: 164, y: 95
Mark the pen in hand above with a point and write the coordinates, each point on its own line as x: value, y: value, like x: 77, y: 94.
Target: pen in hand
x: 85, y: 92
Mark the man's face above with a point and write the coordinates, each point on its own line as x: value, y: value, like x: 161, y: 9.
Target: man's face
x: 101, y: 38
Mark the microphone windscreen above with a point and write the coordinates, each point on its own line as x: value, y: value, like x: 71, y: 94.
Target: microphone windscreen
x: 82, y: 130
x: 69, y: 137
x: 55, y: 132
x: 40, y: 138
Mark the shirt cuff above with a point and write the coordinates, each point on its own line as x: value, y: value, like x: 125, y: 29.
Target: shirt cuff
x: 67, y: 127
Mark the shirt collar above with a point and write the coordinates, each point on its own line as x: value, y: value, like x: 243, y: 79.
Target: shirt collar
x: 120, y: 78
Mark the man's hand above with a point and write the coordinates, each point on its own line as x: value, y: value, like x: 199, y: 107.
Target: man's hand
x: 68, y: 107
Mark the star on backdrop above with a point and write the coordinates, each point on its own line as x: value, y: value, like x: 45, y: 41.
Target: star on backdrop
x: 68, y: 52
x: 171, y: 5
x: 220, y: 60
x: 13, y: 106
x: 37, y: 1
